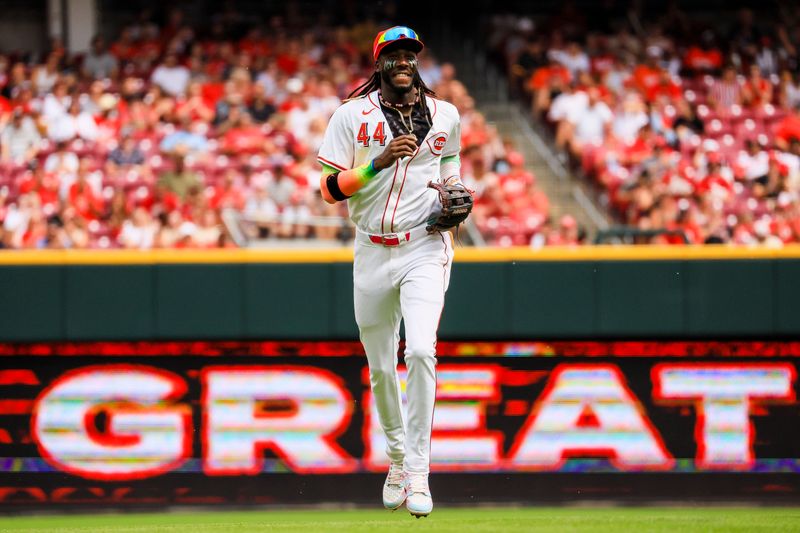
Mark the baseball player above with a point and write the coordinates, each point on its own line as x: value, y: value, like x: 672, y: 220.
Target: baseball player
x: 381, y: 150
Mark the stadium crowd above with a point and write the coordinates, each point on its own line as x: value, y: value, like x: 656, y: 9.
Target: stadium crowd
x: 146, y: 139
x: 685, y: 123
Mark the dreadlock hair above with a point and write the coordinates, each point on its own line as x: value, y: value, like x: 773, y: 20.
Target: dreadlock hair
x: 374, y: 84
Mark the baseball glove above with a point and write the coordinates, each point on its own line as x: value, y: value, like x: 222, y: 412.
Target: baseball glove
x: 456, y: 203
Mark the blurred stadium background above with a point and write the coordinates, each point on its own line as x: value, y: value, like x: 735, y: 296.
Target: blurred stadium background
x: 621, y: 326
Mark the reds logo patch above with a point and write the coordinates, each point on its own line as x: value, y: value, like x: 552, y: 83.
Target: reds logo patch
x: 436, y: 142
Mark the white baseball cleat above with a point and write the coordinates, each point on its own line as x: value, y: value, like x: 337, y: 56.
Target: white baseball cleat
x: 394, y: 488
x: 419, y: 501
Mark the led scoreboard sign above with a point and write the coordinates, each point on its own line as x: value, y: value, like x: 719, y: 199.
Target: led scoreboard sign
x: 127, y: 420
x: 297, y: 412
x: 584, y: 410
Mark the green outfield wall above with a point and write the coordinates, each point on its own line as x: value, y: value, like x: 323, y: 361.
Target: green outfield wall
x: 553, y: 296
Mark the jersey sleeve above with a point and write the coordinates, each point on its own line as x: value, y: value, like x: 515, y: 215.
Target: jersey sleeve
x: 453, y: 145
x: 337, y: 148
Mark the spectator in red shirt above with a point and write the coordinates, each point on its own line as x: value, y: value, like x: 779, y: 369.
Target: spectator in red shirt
x: 213, y: 88
x: 288, y: 59
x: 36, y: 233
x: 242, y: 135
x: 279, y: 139
x: 44, y: 185
x: 664, y: 90
x: 647, y: 75
x: 193, y: 106
x: 757, y: 90
x: 788, y: 130
x: 81, y: 196
x: 5, y: 108
x: 686, y: 221
x: 567, y: 234
x: 125, y: 49
x: 601, y: 57
x: 546, y: 83
x: 228, y: 194
x: 516, y: 181
x: 705, y: 58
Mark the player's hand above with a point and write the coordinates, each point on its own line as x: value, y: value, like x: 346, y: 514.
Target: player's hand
x: 402, y: 146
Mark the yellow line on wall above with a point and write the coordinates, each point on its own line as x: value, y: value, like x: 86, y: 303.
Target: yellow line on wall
x: 626, y: 253
x: 149, y: 257
x: 345, y: 255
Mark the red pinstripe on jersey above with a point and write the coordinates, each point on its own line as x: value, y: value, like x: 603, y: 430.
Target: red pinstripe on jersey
x: 330, y: 163
x: 369, y: 97
x: 391, y: 226
x: 388, y: 196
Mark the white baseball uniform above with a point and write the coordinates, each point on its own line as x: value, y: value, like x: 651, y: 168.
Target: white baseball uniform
x: 399, y: 271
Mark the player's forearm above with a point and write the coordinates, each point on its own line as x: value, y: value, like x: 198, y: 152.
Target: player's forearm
x: 450, y: 169
x: 338, y: 185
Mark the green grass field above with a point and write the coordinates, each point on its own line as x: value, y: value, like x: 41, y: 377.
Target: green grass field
x: 672, y: 520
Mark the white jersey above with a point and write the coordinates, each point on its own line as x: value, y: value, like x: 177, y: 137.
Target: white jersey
x: 397, y: 199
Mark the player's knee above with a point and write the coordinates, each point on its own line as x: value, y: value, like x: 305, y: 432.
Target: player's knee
x: 417, y: 352
x: 382, y: 373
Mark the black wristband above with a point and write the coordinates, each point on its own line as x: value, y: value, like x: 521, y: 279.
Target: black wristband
x: 332, y: 182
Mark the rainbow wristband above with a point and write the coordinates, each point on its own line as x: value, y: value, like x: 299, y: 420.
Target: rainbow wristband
x: 366, y: 172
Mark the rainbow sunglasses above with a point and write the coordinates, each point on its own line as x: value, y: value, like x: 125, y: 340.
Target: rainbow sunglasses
x: 394, y: 34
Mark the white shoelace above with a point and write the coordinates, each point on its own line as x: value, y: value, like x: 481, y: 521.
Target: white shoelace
x: 418, y: 483
x: 395, y: 476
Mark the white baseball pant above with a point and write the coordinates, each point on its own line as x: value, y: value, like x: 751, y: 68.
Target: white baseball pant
x: 407, y: 281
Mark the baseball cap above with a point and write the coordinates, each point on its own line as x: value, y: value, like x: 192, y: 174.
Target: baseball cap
x: 568, y: 221
x: 515, y: 159
x: 394, y: 35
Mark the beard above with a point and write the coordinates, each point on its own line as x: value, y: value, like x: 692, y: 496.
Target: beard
x: 386, y: 77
